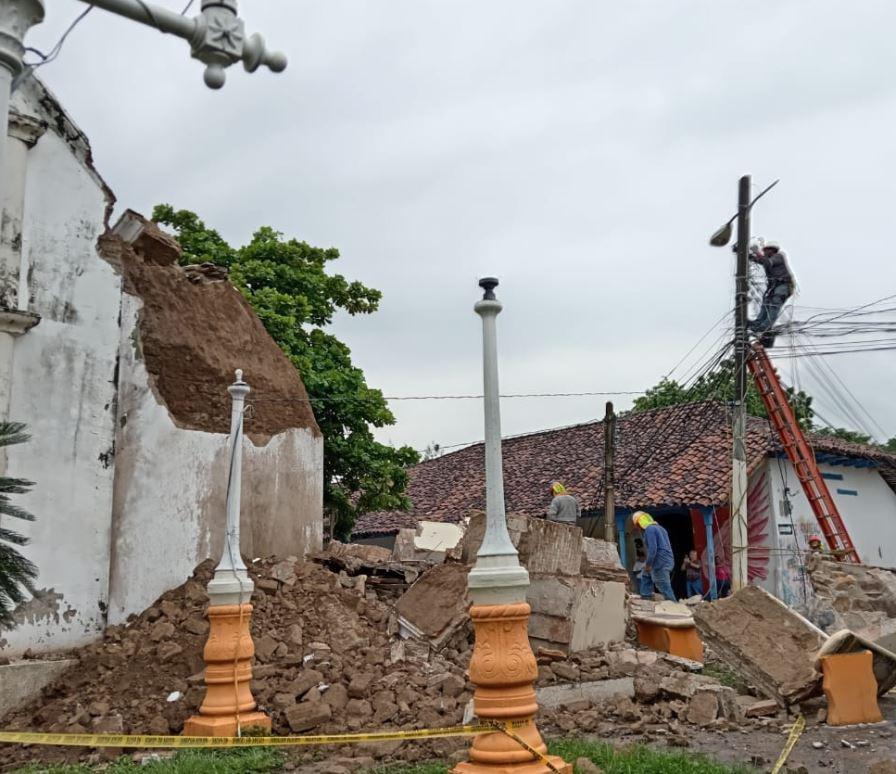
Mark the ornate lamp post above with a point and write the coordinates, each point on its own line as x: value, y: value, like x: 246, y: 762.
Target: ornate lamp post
x: 503, y: 667
x: 228, y: 705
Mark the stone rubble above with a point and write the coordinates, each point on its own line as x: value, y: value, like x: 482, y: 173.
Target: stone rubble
x: 330, y: 660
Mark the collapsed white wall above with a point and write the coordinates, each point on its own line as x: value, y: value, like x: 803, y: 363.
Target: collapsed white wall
x: 126, y: 502
x: 169, y: 507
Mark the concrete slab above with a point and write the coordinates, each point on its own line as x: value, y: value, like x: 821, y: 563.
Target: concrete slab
x: 22, y: 681
x: 554, y: 696
x: 576, y: 613
x: 767, y: 642
x: 544, y: 546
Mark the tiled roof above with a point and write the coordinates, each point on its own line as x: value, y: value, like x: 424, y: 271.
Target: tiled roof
x: 677, y: 456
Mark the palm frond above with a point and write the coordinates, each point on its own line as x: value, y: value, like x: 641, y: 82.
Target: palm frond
x: 12, y: 433
x: 14, y: 485
x: 13, y: 511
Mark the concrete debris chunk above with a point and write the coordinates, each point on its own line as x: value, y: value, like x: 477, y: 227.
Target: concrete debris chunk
x: 600, y: 559
x: 760, y: 709
x: 771, y: 645
x: 435, y: 607
x: 304, y: 717
x: 575, y: 614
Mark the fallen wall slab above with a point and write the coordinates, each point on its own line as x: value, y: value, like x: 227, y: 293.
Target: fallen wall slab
x: 436, y: 605
x: 770, y: 644
x: 575, y: 614
x: 22, y: 681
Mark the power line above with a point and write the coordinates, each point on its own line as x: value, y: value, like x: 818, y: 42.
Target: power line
x: 515, y: 395
x: 54, y: 52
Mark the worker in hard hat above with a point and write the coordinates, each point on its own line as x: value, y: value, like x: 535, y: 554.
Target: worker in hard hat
x: 815, y: 544
x: 564, y: 507
x: 660, y: 559
x: 779, y: 286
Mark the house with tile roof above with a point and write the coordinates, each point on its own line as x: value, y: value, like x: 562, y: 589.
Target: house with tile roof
x: 675, y: 463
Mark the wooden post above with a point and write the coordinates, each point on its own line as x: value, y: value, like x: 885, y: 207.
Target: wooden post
x: 609, y: 483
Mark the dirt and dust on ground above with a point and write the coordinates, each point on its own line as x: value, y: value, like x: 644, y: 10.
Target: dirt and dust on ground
x: 330, y: 659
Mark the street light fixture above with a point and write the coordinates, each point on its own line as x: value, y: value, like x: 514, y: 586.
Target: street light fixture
x: 722, y: 236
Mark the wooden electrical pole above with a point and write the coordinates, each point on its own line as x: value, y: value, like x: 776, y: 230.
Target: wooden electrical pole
x: 609, y: 483
x: 738, y: 515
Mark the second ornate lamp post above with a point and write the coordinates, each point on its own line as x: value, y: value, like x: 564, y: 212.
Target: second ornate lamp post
x: 503, y: 667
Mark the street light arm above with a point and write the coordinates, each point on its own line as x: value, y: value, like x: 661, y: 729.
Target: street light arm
x: 162, y: 19
x: 217, y: 36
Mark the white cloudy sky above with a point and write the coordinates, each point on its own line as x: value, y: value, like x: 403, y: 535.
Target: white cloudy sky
x: 580, y: 150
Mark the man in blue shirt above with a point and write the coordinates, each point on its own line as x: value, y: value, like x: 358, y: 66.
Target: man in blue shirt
x: 660, y: 559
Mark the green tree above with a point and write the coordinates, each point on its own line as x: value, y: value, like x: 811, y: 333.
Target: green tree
x: 718, y: 384
x: 890, y: 445
x: 287, y: 284
x: 846, y: 435
x: 17, y: 574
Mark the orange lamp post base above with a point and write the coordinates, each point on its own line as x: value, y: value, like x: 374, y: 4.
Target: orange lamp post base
x: 503, y: 669
x: 228, y: 705
x: 680, y: 641
x: 851, y: 688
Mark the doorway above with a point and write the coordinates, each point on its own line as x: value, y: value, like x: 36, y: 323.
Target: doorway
x: 677, y: 522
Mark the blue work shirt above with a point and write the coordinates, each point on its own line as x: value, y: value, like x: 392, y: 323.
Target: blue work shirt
x: 659, y: 550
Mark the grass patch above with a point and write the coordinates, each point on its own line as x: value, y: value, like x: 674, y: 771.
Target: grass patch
x: 726, y: 676
x: 638, y: 759
x: 245, y: 761
x: 631, y: 760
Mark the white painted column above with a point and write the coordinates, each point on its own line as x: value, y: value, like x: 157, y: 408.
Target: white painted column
x: 15, y: 319
x: 231, y: 584
x: 497, y: 577
x: 23, y: 134
x: 16, y: 18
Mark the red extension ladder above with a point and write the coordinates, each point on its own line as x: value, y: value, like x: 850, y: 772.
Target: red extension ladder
x: 800, y: 454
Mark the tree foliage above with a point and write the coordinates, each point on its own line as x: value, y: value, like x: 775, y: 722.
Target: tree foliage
x: 718, y: 384
x: 845, y: 435
x: 17, y: 574
x: 287, y: 283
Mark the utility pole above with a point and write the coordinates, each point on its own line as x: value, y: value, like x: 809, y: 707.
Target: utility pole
x: 739, y: 420
x: 609, y: 482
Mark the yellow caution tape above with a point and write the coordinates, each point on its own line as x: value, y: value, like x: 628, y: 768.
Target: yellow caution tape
x: 142, y: 741
x: 795, y: 733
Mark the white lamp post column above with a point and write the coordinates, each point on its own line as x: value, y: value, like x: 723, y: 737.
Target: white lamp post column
x: 227, y: 709
x: 503, y: 667
x: 231, y: 584
x: 498, y: 577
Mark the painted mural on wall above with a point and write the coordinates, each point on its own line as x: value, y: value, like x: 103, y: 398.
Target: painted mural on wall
x: 759, y: 539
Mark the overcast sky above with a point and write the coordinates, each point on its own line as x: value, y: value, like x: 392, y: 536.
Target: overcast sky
x: 582, y: 151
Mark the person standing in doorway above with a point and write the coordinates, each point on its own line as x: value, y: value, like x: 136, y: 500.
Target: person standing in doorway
x: 723, y: 577
x: 564, y: 507
x: 660, y: 560
x: 693, y: 575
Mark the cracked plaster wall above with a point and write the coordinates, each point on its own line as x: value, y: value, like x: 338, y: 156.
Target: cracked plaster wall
x: 63, y: 386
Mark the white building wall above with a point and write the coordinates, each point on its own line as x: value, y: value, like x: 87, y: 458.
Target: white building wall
x: 869, y: 516
x: 170, y: 490
x: 63, y: 386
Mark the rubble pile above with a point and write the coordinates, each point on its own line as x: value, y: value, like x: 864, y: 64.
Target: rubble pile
x: 620, y: 691
x: 327, y: 660
x: 334, y: 655
x: 852, y: 596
